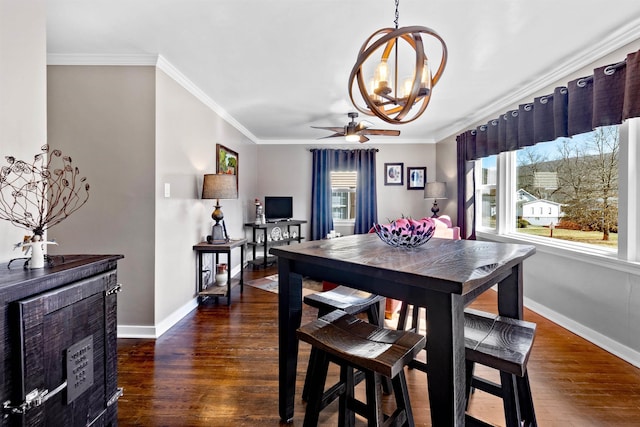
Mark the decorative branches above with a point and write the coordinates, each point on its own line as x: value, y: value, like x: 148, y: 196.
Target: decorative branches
x: 39, y: 195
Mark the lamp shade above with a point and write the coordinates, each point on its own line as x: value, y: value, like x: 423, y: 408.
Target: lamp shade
x: 219, y: 186
x: 435, y: 190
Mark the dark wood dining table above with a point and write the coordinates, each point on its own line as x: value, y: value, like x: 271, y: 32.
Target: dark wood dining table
x: 442, y: 275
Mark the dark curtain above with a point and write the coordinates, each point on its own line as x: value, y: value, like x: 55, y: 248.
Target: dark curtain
x: 326, y: 161
x: 608, y: 97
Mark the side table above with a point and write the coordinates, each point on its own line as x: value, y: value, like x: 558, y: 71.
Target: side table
x: 222, y: 248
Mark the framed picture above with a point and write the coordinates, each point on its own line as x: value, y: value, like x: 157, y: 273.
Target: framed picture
x: 393, y: 174
x: 416, y: 178
x: 227, y: 161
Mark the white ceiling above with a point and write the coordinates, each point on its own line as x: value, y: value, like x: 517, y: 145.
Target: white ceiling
x: 276, y: 67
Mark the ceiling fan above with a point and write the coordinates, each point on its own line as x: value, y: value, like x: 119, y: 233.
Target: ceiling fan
x: 355, y: 132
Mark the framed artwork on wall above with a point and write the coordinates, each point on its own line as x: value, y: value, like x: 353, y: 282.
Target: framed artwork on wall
x: 227, y: 161
x: 393, y: 174
x: 416, y: 177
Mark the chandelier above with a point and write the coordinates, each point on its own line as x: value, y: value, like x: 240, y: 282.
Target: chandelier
x: 387, y: 95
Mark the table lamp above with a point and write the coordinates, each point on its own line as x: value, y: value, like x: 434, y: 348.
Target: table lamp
x: 219, y: 186
x: 435, y: 191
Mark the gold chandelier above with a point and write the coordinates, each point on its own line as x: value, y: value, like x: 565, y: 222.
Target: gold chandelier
x: 386, y: 96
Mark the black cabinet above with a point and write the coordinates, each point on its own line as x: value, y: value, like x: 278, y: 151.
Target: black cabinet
x: 59, y: 342
x: 265, y: 236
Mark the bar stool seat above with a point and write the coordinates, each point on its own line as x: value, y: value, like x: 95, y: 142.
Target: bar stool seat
x: 504, y: 344
x: 351, y: 301
x: 352, y: 343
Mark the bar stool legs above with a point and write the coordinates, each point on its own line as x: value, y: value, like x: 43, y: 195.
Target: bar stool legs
x: 358, y: 346
x: 504, y: 344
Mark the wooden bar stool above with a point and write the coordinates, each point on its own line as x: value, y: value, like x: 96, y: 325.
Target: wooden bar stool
x: 415, y: 327
x: 351, y: 301
x: 355, y: 344
x: 504, y: 344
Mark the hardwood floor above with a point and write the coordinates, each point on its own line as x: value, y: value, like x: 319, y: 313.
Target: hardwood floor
x: 219, y: 367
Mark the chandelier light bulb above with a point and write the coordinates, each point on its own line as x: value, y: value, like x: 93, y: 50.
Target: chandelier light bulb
x: 381, y: 79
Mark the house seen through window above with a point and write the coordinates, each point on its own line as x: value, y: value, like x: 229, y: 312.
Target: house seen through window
x: 343, y: 195
x: 564, y: 189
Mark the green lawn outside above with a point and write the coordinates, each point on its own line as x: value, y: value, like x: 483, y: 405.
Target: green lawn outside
x: 590, y: 237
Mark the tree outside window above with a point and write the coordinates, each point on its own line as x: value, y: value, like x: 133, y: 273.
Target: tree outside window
x: 579, y: 175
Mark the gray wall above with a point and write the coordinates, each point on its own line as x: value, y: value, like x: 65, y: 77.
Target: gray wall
x: 187, y: 134
x: 286, y: 170
x: 132, y: 130
x: 23, y: 102
x: 104, y: 118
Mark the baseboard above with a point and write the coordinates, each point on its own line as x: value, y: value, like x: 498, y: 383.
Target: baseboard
x: 153, y: 332
x: 625, y: 353
x: 133, y: 331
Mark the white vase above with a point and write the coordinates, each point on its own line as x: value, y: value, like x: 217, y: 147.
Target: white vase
x: 221, y: 279
x: 221, y: 275
x: 37, y: 253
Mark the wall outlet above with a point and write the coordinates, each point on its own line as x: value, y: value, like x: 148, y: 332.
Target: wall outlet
x: 167, y: 189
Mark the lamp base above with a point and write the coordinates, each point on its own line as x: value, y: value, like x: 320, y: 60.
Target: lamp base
x: 218, y: 234
x: 435, y: 209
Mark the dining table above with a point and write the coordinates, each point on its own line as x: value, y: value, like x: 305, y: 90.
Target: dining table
x: 442, y: 275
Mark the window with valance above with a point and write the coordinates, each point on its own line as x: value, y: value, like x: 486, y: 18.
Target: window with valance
x: 608, y: 97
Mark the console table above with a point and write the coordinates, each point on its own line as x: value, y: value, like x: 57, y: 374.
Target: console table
x: 217, y: 249
x: 59, y: 362
x: 271, y: 234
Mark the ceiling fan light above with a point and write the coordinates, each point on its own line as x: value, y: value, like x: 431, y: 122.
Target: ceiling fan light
x: 352, y: 138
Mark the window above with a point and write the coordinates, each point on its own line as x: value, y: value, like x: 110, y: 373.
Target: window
x: 343, y: 195
x: 567, y: 189
x: 486, y: 192
x: 577, y: 175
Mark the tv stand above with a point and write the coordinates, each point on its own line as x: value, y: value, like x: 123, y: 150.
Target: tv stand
x: 276, y: 220
x: 265, y: 236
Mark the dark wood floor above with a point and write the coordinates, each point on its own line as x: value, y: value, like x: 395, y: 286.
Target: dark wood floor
x: 218, y: 367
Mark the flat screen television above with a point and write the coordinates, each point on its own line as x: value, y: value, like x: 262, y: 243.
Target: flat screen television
x: 278, y: 208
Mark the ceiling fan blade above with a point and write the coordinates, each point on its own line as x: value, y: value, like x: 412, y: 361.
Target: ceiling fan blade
x: 387, y: 132
x: 332, y: 136
x: 362, y: 126
x: 363, y: 139
x: 331, y: 128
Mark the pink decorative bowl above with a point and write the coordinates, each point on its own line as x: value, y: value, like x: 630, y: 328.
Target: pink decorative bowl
x: 405, y: 232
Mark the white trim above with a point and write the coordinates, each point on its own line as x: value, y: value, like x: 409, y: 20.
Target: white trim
x: 629, y: 182
x: 580, y: 252
x: 602, y: 341
x: 188, y: 85
x: 133, y: 331
x: 102, y: 59
x: 168, y: 322
x: 154, y: 332
x: 615, y: 40
x: 343, y: 143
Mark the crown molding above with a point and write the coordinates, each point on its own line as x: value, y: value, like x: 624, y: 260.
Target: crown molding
x: 343, y: 143
x: 192, y: 88
x: 102, y: 59
x: 160, y: 63
x: 624, y: 35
